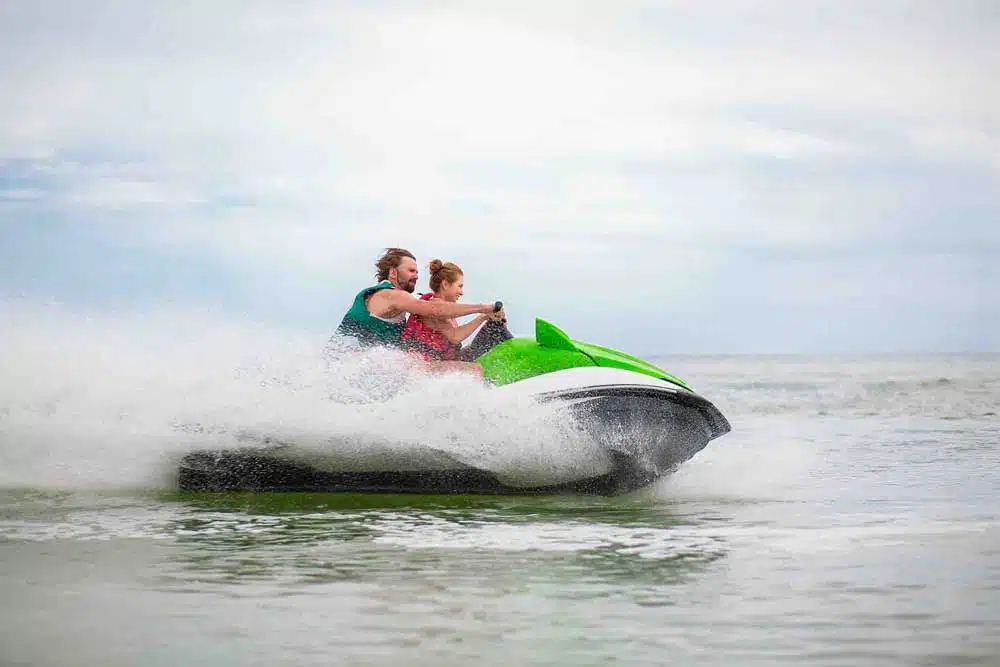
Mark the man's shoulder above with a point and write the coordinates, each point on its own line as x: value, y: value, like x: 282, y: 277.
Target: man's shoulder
x: 386, y: 291
x: 389, y: 298
x: 379, y: 287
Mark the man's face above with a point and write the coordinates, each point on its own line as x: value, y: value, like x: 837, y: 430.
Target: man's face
x: 406, y: 275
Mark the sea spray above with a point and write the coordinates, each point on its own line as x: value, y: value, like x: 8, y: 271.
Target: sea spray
x: 115, y: 400
x: 748, y: 467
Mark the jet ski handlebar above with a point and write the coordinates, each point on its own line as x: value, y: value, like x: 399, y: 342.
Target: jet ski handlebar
x: 497, y: 307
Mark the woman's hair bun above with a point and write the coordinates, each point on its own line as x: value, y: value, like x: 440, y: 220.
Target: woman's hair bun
x: 443, y: 272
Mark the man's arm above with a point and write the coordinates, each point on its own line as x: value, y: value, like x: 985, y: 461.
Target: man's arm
x: 408, y: 303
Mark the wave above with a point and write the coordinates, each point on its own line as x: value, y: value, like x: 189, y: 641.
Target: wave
x: 936, y: 388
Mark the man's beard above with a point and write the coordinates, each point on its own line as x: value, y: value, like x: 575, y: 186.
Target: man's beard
x: 410, y: 286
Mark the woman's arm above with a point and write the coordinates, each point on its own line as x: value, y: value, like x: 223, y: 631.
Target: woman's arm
x: 456, y: 335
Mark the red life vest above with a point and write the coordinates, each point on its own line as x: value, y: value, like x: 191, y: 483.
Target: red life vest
x: 425, y: 342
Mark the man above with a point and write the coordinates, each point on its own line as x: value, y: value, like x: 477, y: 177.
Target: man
x: 378, y: 314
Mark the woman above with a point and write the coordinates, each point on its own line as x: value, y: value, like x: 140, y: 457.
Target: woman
x: 439, y: 341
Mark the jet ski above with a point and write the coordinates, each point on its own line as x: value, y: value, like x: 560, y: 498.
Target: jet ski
x: 645, y: 420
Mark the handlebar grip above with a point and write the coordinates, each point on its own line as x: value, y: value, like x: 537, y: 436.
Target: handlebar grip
x: 498, y: 306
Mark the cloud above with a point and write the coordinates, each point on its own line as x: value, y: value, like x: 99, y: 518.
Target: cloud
x: 21, y: 194
x: 629, y: 150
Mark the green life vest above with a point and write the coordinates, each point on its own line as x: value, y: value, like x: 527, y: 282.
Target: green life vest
x: 368, y: 329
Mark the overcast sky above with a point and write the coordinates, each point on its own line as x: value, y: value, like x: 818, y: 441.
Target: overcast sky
x: 689, y: 176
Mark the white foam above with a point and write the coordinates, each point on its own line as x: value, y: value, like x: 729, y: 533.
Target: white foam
x: 761, y: 460
x: 112, y: 400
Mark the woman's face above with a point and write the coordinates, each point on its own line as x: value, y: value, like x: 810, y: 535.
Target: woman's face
x: 452, y: 291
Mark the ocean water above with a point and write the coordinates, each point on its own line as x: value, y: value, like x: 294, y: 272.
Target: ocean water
x: 852, y: 516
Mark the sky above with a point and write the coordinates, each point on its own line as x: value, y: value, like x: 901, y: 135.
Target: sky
x: 737, y: 176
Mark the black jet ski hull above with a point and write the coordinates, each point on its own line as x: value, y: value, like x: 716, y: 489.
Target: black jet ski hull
x: 647, y: 430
